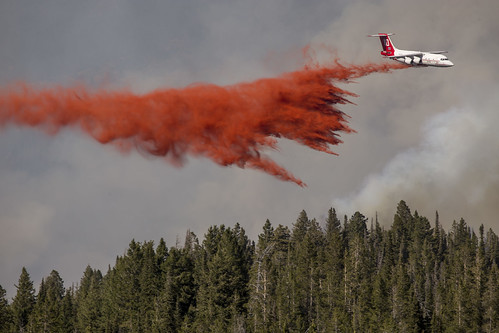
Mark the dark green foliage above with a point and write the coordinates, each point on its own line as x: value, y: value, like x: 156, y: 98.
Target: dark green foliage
x: 179, y: 288
x: 316, y: 277
x: 5, y: 315
x: 69, y: 311
x: 130, y: 290
x: 223, y: 276
x: 263, y: 281
x: 24, y: 302
x: 48, y: 312
x: 491, y: 301
x: 89, y: 300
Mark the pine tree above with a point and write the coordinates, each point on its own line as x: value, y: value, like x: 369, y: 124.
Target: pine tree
x: 121, y: 303
x: 379, y: 320
x: 492, y: 248
x: 357, y: 226
x: 426, y: 283
x: 48, y: 314
x: 174, y: 307
x: 112, y: 300
x: 262, y: 282
x: 333, y: 312
x: 24, y: 301
x: 161, y: 252
x: 5, y: 315
x: 281, y: 261
x: 404, y: 304
x: 357, y: 270
x: 459, y: 312
x: 89, y: 301
x: 301, y: 267
x: 402, y: 228
x: 438, y: 244
x: 40, y: 313
x: 149, y: 283
x: 223, y: 281
x: 477, y: 277
x: 419, y: 268
x: 382, y: 266
x: 69, y: 311
x: 491, y: 302
x: 300, y: 227
x: 313, y: 244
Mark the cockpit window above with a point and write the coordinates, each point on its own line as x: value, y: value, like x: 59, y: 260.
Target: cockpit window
x: 444, y: 58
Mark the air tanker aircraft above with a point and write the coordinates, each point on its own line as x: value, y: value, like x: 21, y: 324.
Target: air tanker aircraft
x: 414, y: 58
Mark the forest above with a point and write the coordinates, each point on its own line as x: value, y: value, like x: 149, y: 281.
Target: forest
x: 345, y: 274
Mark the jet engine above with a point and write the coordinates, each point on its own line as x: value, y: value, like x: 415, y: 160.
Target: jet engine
x: 416, y: 60
x: 408, y: 60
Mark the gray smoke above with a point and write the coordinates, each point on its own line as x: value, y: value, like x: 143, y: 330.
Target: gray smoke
x: 440, y: 124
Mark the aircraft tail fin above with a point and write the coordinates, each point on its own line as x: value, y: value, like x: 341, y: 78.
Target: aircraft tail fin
x: 386, y: 44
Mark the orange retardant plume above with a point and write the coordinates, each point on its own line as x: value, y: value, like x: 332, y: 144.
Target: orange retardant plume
x: 231, y: 125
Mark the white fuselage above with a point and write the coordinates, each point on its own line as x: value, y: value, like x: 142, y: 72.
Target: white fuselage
x: 418, y: 58
x: 413, y: 58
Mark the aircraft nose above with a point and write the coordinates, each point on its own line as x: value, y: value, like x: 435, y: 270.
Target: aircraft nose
x: 450, y: 63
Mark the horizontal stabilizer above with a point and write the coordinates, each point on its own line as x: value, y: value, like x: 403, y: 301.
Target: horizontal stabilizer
x: 379, y: 35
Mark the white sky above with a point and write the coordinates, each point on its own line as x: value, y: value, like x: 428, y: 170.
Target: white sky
x: 426, y: 135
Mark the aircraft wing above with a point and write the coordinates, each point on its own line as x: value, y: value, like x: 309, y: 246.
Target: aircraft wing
x: 415, y: 54
x: 438, y: 52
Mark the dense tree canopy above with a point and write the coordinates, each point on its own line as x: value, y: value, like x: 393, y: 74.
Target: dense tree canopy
x: 313, y: 277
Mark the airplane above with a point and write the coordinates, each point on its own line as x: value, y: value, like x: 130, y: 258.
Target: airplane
x: 414, y: 58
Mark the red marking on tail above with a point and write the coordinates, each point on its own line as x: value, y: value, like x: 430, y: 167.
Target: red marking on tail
x: 387, y: 45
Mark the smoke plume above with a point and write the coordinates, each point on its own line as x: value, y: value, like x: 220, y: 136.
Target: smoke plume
x: 231, y: 125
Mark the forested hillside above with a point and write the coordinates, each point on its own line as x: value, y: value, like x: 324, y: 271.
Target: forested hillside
x: 335, y: 276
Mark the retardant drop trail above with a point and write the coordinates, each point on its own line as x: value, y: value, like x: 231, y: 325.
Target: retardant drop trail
x: 230, y: 125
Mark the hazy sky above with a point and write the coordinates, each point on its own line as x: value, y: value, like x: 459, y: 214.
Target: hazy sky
x: 424, y: 135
